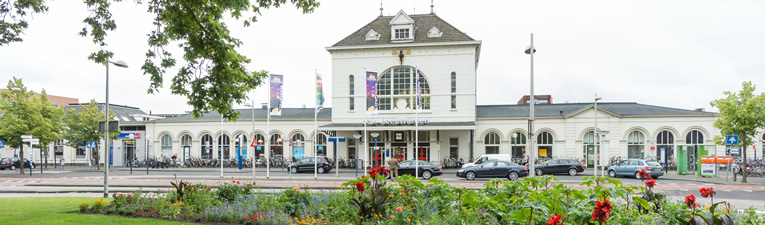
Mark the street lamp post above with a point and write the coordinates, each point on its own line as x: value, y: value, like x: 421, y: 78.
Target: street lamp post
x: 253, y: 138
x: 603, y: 134
x: 122, y: 64
x: 377, y: 153
x: 596, y: 138
x: 131, y: 137
x: 531, y: 50
x: 356, y: 156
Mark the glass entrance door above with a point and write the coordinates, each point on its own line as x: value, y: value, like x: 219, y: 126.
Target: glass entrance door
x: 589, y: 155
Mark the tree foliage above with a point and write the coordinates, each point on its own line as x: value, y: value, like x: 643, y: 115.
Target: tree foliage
x: 81, y: 127
x: 741, y: 114
x: 23, y: 114
x: 214, y: 74
x: 13, y: 18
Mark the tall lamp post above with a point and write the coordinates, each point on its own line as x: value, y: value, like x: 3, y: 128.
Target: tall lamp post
x: 596, y: 137
x: 356, y: 156
x: 603, y: 134
x: 253, y: 138
x: 531, y: 50
x: 377, y: 153
x: 122, y: 64
x: 131, y: 137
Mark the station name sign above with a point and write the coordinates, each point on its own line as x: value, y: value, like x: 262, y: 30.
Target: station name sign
x: 390, y: 122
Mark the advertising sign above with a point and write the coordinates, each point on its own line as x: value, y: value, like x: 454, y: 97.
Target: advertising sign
x: 275, y: 94
x: 371, y: 93
x: 707, y: 169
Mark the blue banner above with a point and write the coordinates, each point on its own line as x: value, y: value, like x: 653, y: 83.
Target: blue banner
x: 371, y: 93
x: 275, y: 99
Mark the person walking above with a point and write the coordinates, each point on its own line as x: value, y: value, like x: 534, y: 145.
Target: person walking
x: 393, y: 165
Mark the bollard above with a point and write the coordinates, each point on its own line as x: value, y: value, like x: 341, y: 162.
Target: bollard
x: 734, y: 176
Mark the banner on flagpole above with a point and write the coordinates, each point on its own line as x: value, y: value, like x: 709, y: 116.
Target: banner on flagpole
x: 275, y: 100
x: 319, y: 93
x: 371, y: 92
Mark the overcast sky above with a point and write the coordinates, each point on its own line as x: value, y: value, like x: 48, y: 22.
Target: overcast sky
x: 680, y: 54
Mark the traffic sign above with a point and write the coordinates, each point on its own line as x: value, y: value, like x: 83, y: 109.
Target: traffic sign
x: 26, y: 136
x: 338, y: 139
x: 90, y: 145
x: 731, y: 140
x: 2, y: 144
x: 254, y: 143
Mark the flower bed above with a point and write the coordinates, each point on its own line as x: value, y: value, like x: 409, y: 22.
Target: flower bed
x: 372, y: 200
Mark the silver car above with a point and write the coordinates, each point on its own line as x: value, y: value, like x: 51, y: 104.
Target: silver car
x: 631, y: 167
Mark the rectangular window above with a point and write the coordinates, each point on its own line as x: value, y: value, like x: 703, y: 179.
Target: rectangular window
x: 351, y: 103
x: 454, y: 101
x: 402, y: 33
x: 492, y: 149
x: 383, y: 103
x: 401, y: 81
x: 454, y: 148
x: 81, y: 153
x: 454, y: 82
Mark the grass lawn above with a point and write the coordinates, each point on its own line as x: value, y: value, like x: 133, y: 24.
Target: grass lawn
x: 55, y: 210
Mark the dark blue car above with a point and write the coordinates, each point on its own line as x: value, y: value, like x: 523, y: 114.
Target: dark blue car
x: 494, y: 168
x: 631, y: 167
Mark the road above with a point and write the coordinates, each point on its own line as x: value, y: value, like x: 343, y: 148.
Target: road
x: 84, y: 181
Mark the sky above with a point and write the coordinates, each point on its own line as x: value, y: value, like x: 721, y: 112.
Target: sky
x: 679, y: 54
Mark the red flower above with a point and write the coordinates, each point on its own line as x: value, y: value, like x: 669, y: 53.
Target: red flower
x: 690, y: 200
x: 602, y: 210
x: 360, y: 187
x: 650, y: 183
x: 644, y: 175
x: 246, y: 218
x: 555, y: 220
x: 707, y: 192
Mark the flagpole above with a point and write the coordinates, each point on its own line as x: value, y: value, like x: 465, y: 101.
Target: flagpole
x: 416, y: 125
x: 268, y: 131
x: 315, y: 131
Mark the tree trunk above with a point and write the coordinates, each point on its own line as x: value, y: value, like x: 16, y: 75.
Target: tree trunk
x: 21, y: 159
x: 46, y: 156
x: 744, y: 168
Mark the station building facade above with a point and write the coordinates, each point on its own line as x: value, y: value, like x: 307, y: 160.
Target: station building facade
x: 450, y: 124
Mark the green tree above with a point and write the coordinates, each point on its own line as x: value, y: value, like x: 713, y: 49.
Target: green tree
x: 214, y: 74
x: 22, y: 114
x: 81, y: 127
x: 741, y: 114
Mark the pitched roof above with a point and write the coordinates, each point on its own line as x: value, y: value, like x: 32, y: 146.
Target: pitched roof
x: 422, y: 24
x: 260, y: 114
x: 122, y: 113
x: 567, y: 109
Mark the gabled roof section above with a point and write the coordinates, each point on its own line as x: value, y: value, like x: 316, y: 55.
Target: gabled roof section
x: 570, y: 109
x: 401, y: 18
x: 422, y: 24
x: 260, y: 114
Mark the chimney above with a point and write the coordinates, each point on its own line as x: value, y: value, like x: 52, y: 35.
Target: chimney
x: 699, y: 110
x: 264, y: 105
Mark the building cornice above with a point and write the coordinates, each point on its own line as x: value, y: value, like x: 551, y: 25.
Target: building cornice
x: 399, y: 45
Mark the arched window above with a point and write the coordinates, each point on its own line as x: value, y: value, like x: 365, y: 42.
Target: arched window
x: 277, y: 149
x: 491, y: 142
x: 186, y: 146
x: 665, y: 146
x: 635, y: 145
x: 207, y: 143
x: 519, y: 144
x: 545, y: 142
x: 224, y: 144
x: 298, y: 144
x: 693, y: 139
x: 260, y: 147
x: 591, y: 147
x: 166, y: 143
x: 454, y: 90
x: 351, y: 92
x: 396, y: 89
x: 321, y: 144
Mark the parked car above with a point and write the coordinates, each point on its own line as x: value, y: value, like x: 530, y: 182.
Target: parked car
x: 426, y: 169
x: 13, y: 163
x: 494, y: 168
x: 487, y: 157
x: 631, y: 167
x: 557, y: 166
x: 307, y: 164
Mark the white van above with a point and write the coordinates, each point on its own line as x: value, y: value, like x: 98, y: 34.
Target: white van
x: 487, y: 157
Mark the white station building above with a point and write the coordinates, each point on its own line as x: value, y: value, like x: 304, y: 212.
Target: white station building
x: 450, y: 124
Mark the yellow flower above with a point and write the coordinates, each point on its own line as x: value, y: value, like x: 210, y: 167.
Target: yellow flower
x: 390, y: 196
x: 296, y: 218
x: 392, y: 216
x: 302, y: 222
x: 408, y: 220
x: 295, y: 188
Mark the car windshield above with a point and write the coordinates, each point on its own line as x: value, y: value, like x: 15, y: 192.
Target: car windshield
x: 653, y: 163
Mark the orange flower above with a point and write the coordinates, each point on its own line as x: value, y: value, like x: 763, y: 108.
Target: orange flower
x: 392, y: 216
x: 399, y: 209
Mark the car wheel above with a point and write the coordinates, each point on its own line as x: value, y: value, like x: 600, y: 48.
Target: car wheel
x: 572, y: 172
x: 538, y: 172
x: 321, y: 170
x: 470, y: 175
x: 611, y: 173
x: 637, y: 175
x: 512, y: 175
x: 427, y: 175
x: 293, y: 169
x: 13, y: 167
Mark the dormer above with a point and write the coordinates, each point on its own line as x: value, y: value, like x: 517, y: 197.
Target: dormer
x: 434, y: 32
x: 401, y: 28
x: 372, y: 35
